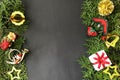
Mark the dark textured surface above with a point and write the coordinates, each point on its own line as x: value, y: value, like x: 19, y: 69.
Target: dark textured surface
x: 55, y: 39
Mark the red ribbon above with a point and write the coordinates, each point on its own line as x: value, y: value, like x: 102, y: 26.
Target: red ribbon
x: 101, y: 60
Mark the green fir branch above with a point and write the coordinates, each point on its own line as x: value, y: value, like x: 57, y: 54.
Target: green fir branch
x: 95, y: 44
x: 6, y: 8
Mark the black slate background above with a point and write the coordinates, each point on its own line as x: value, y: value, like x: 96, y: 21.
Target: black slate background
x: 55, y: 39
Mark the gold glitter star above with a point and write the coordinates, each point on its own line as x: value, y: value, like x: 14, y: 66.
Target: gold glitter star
x: 11, y: 75
x: 107, y: 71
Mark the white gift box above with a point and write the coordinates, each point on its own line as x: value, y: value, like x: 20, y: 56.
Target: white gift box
x: 100, y: 60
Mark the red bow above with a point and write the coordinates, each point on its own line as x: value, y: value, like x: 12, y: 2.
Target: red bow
x: 101, y: 60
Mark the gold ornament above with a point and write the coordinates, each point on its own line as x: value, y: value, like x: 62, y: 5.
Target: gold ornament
x: 17, y: 18
x: 17, y: 56
x: 113, y: 43
x: 11, y: 73
x: 105, y: 7
x: 107, y: 71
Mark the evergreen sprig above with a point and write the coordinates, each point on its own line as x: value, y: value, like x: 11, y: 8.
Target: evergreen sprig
x: 95, y: 44
x: 6, y: 8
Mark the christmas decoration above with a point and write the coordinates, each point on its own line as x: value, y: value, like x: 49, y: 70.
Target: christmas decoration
x: 94, y: 30
x: 5, y: 44
x: 17, y: 18
x: 100, y: 60
x: 113, y: 42
x: 102, y: 22
x: 7, y: 40
x: 12, y: 37
x: 111, y: 74
x: 91, y: 32
x: 17, y: 57
x: 105, y: 7
x: 103, y: 16
x: 12, y: 75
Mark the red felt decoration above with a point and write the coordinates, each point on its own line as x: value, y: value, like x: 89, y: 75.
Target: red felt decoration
x: 102, y: 22
x: 104, y: 38
x: 91, y: 32
x: 4, y: 44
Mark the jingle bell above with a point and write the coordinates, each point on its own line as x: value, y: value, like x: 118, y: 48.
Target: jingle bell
x: 113, y: 42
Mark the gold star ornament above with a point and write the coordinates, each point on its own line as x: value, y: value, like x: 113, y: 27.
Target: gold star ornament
x: 11, y: 73
x: 111, y: 74
x: 105, y: 7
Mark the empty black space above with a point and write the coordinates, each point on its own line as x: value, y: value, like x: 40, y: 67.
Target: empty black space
x: 55, y: 39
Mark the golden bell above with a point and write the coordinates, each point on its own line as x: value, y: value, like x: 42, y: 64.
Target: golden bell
x: 113, y: 43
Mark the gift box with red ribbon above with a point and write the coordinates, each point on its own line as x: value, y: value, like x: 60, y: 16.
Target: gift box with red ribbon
x: 100, y: 60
